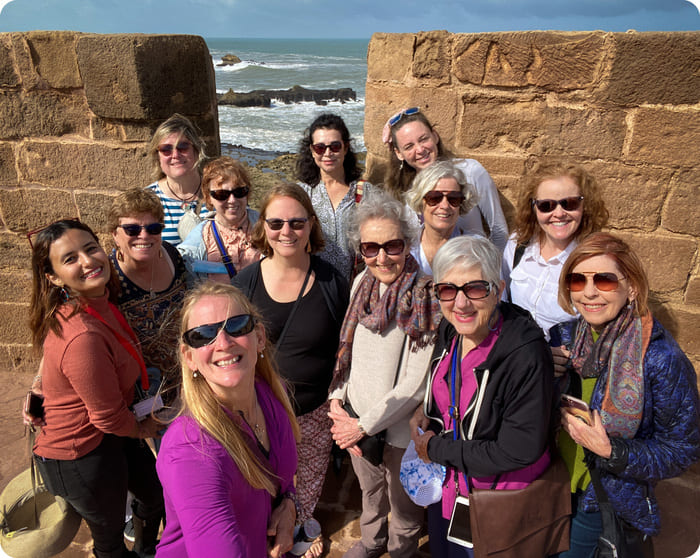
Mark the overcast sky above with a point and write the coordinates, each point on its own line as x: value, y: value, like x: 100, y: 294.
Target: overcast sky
x: 344, y: 18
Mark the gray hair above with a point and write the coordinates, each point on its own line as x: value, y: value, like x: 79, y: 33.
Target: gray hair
x: 377, y: 204
x: 465, y: 252
x: 427, y: 179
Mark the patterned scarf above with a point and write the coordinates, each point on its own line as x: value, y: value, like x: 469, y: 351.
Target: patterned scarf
x: 409, y: 300
x: 620, y: 350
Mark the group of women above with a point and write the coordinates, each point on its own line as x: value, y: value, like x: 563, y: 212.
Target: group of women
x: 353, y: 314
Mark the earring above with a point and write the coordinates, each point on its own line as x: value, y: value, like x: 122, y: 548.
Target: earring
x: 120, y: 255
x: 262, y: 356
x: 65, y: 295
x: 160, y: 254
x: 195, y: 374
x: 308, y: 246
x: 401, y: 166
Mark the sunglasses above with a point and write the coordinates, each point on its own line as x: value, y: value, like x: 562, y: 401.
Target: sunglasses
x: 297, y: 223
x: 406, y: 112
x: 223, y: 195
x: 167, y: 149
x: 235, y: 326
x: 567, y: 204
x: 473, y: 290
x: 391, y: 248
x: 434, y: 197
x: 334, y: 146
x: 607, y: 282
x: 34, y: 232
x: 133, y: 229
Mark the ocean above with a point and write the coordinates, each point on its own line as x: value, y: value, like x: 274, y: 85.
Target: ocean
x: 263, y: 133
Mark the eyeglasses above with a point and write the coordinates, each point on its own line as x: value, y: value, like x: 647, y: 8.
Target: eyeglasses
x: 235, y: 326
x: 606, y: 282
x: 435, y: 197
x: 391, y: 247
x: 132, y: 229
x: 223, y: 195
x: 167, y: 149
x: 473, y: 290
x: 34, y: 232
x: 296, y: 223
x: 334, y: 146
x: 567, y: 204
x: 406, y: 112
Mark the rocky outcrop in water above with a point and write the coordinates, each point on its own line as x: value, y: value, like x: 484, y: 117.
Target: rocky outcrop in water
x: 297, y: 94
x: 229, y: 60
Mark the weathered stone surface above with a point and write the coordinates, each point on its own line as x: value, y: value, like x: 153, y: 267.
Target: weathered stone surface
x: 42, y: 113
x: 654, y: 68
x: 83, y: 165
x: 684, y: 325
x: 20, y: 358
x: 53, y: 55
x: 692, y: 292
x: 16, y: 286
x: 667, y: 259
x: 375, y: 167
x: 229, y: 60
x: 13, y: 326
x: 94, y: 208
x: 29, y: 208
x: 533, y: 127
x: 681, y: 213
x: 140, y: 76
x: 8, y: 173
x: 8, y: 75
x: 659, y: 136
x: 28, y: 77
x: 15, y: 253
x: 432, y: 57
x: 390, y: 56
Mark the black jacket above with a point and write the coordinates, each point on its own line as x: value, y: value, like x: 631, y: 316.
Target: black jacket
x: 506, y: 426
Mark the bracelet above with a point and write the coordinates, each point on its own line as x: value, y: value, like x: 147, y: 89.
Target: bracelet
x: 289, y: 495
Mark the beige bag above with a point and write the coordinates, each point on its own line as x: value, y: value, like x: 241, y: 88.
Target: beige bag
x: 189, y: 220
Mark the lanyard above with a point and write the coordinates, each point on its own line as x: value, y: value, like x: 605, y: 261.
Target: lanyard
x: 130, y: 347
x: 455, y: 393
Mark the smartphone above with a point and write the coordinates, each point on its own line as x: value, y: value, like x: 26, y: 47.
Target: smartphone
x: 460, y: 528
x: 577, y: 407
x: 34, y: 405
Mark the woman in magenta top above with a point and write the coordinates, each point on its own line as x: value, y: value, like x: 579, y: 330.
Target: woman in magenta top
x: 227, y: 463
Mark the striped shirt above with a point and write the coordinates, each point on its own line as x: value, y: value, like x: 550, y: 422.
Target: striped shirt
x: 174, y: 210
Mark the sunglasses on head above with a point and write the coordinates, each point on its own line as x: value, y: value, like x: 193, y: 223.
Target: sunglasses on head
x: 132, y: 229
x: 334, y: 146
x: 473, y: 290
x: 607, y: 282
x: 435, y: 197
x: 567, y: 204
x: 391, y: 247
x: 223, y: 195
x: 235, y: 326
x: 296, y: 223
x: 34, y: 232
x: 406, y: 112
x: 167, y: 148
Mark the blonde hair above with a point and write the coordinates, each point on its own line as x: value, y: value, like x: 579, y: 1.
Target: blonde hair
x: 200, y: 403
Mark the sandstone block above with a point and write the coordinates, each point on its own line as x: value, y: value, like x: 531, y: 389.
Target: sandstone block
x: 16, y: 286
x: 42, y: 113
x: 141, y: 77
x: 432, y: 59
x: 8, y: 75
x: 684, y: 324
x: 692, y: 292
x: 20, y: 358
x: 667, y: 259
x: 654, y: 68
x: 13, y: 324
x: 15, y: 253
x: 24, y: 66
x: 82, y: 165
x: 390, y: 56
x: 29, y: 208
x: 681, y: 214
x: 53, y: 55
x: 94, y: 208
x: 375, y: 167
x: 659, y: 136
x: 8, y: 173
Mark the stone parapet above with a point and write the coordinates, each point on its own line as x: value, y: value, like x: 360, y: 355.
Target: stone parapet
x: 77, y: 112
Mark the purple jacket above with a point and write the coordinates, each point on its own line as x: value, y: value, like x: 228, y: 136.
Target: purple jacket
x: 211, y: 511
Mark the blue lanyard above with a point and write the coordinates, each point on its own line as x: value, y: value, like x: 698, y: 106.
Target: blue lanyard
x: 454, y: 407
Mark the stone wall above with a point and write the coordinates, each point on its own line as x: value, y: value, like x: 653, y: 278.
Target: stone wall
x: 625, y: 105
x: 76, y: 114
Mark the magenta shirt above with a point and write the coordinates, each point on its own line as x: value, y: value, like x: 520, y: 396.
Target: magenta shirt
x: 441, y: 393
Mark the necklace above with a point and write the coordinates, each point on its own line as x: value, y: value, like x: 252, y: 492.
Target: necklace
x: 256, y: 426
x: 187, y: 199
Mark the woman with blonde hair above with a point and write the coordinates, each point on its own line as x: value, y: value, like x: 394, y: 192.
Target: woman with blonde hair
x: 227, y: 463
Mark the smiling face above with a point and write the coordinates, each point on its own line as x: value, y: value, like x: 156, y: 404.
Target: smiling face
x: 558, y: 226
x: 416, y: 144
x: 600, y: 307
x: 177, y: 163
x: 79, y: 264
x: 329, y: 162
x: 287, y: 242
x: 143, y: 247
x: 384, y: 267
x: 228, y: 363
x: 442, y: 217
x: 232, y: 210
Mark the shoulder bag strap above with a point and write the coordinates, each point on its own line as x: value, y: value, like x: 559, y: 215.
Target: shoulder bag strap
x: 294, y: 309
x: 225, y: 257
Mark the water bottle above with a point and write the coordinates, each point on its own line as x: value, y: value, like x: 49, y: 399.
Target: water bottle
x: 304, y: 535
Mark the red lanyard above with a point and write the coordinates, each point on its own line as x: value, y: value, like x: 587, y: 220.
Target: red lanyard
x: 131, y: 348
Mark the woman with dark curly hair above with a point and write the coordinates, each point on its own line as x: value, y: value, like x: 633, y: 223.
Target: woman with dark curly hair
x: 328, y: 172
x: 560, y: 204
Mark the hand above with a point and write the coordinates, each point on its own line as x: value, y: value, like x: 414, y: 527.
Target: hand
x: 355, y: 450
x: 345, y: 430
x: 30, y: 420
x: 421, y: 442
x: 418, y: 420
x: 593, y: 438
x: 149, y: 428
x: 337, y: 408
x: 281, y: 527
x: 561, y: 356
